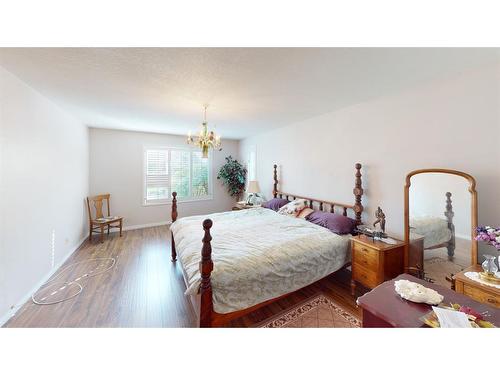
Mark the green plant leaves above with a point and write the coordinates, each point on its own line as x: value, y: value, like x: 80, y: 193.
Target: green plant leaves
x: 233, y: 175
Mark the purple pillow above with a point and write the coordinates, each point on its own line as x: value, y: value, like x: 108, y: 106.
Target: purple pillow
x: 338, y: 224
x: 275, y: 203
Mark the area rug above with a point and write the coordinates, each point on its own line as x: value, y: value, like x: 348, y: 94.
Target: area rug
x: 316, y: 312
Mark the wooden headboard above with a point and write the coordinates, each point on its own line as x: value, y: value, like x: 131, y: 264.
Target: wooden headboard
x: 357, y: 207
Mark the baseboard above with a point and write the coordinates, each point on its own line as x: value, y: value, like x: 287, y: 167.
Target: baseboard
x: 12, y: 312
x: 140, y: 226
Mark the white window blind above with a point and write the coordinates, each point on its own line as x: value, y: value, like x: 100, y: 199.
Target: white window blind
x: 180, y: 170
x: 252, y: 164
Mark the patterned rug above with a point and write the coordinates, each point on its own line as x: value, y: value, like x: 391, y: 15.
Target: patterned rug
x: 317, y: 312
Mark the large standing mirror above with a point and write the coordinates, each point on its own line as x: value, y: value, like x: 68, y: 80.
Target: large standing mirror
x: 440, y: 222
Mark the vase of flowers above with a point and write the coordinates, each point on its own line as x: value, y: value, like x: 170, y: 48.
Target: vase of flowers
x: 491, y: 236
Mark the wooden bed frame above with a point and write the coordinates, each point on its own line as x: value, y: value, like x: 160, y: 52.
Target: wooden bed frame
x: 202, y: 302
x: 450, y: 244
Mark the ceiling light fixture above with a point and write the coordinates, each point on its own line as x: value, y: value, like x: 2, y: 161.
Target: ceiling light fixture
x: 205, y: 139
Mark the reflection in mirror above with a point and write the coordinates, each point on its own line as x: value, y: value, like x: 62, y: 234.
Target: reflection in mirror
x: 440, y: 225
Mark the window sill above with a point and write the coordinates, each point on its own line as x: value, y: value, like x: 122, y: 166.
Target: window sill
x: 179, y: 201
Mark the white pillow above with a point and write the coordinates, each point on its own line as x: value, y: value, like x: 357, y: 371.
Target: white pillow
x: 293, y: 208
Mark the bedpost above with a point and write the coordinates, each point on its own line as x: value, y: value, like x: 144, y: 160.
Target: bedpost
x: 275, y: 175
x: 449, y: 217
x: 206, y: 267
x: 174, y: 218
x: 358, y: 193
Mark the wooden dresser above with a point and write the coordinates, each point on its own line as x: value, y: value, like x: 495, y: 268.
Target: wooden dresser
x: 374, y: 262
x: 480, y: 292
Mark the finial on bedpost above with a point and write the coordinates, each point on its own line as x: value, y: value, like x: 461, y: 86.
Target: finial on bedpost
x: 449, y: 208
x: 206, y: 267
x: 174, y: 206
x: 449, y: 218
x: 275, y: 188
x: 174, y: 218
x: 358, y: 193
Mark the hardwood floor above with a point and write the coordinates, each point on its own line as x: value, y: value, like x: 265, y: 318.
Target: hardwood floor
x: 145, y: 289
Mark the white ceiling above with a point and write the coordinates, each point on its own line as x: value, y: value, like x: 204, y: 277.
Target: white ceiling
x: 248, y: 90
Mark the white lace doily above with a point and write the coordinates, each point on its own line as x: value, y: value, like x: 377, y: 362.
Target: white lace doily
x: 475, y: 276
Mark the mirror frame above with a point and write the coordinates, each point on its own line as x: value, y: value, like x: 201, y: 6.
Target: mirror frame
x: 473, y: 192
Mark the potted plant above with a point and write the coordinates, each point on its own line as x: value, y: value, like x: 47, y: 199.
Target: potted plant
x: 233, y: 175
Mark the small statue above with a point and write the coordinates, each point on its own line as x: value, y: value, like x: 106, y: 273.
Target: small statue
x: 379, y: 214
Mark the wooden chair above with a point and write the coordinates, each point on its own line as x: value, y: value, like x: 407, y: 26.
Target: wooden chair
x: 99, y: 221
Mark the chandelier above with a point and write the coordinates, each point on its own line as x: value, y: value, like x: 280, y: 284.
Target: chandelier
x: 205, y: 139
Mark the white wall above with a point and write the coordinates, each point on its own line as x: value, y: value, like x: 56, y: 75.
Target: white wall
x: 116, y: 167
x: 43, y: 182
x: 453, y: 123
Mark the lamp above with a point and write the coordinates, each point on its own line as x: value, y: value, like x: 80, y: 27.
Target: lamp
x: 253, y: 189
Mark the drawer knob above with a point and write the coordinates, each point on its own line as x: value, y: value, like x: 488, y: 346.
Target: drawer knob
x: 492, y: 300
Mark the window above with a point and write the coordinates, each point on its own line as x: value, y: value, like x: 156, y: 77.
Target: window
x: 180, y: 170
x: 252, y: 163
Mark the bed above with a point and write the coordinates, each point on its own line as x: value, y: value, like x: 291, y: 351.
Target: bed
x: 250, y: 258
x: 435, y: 232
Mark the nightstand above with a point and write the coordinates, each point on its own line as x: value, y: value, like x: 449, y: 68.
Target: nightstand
x: 475, y: 290
x: 373, y: 262
x: 244, y: 206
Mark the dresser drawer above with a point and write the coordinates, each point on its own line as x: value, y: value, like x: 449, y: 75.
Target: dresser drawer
x: 481, y: 296
x: 364, y: 276
x: 365, y: 256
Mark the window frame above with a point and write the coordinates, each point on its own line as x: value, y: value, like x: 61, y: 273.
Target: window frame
x: 168, y: 201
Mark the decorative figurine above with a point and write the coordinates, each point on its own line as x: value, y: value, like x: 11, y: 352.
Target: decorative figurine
x: 379, y: 214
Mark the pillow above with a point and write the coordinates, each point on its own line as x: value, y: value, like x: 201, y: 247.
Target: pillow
x: 275, y: 204
x: 305, y: 212
x: 293, y: 208
x: 338, y: 224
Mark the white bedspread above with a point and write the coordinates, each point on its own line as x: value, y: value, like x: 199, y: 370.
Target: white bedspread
x: 258, y: 255
x: 434, y: 230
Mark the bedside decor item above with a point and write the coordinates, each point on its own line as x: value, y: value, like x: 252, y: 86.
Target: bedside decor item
x: 253, y: 189
x: 489, y: 266
x: 491, y: 236
x: 205, y: 139
x: 233, y: 174
x: 379, y: 214
x: 415, y: 292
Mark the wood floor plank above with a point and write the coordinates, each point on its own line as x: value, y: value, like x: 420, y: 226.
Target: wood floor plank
x: 145, y: 289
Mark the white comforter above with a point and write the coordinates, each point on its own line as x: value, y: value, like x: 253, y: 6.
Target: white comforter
x: 258, y: 255
x: 434, y: 230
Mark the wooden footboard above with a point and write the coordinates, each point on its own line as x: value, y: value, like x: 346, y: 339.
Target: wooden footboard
x: 206, y: 267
